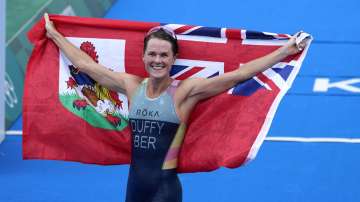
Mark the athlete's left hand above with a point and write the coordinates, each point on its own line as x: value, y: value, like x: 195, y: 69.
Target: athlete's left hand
x: 291, y: 47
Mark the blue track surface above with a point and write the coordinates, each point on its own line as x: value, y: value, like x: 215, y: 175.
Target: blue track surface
x: 283, y: 171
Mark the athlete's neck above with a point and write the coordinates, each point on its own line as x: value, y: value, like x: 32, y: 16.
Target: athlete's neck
x: 156, y: 86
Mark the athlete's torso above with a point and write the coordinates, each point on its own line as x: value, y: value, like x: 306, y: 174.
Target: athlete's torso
x: 156, y: 138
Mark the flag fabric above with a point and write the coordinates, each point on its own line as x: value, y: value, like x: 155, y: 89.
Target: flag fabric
x: 68, y: 116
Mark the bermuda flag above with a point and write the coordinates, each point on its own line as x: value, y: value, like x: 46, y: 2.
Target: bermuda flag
x: 69, y: 116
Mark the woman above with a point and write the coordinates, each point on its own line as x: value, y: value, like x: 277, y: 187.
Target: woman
x: 160, y: 106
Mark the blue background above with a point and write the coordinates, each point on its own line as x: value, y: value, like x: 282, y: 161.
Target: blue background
x: 282, y: 171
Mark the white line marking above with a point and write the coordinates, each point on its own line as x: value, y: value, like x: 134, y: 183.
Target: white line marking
x: 27, y: 23
x: 13, y: 132
x: 273, y: 139
x: 314, y: 139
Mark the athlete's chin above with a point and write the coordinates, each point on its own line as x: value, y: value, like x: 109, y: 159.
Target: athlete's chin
x: 158, y: 74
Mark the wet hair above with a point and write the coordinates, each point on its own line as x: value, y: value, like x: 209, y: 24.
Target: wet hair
x: 163, y: 33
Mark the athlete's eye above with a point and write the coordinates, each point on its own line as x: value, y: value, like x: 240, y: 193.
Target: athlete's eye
x: 164, y: 55
x: 151, y: 54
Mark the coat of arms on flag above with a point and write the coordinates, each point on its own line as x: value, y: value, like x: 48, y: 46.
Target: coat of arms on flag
x: 80, y: 94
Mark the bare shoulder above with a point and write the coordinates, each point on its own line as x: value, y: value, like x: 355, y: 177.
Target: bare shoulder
x: 184, y: 87
x: 134, y: 79
x: 184, y: 102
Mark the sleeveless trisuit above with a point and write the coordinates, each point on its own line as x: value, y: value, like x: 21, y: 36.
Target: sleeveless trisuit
x: 156, y: 138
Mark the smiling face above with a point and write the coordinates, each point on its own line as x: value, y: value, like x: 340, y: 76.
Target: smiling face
x: 158, y: 58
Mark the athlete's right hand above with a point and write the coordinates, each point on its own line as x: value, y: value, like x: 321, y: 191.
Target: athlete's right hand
x: 50, y: 27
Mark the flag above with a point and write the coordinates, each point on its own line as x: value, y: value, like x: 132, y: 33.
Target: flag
x: 68, y: 116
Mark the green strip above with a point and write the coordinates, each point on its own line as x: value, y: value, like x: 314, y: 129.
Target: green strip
x: 89, y: 114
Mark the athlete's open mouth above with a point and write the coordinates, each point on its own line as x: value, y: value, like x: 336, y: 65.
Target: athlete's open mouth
x: 158, y: 67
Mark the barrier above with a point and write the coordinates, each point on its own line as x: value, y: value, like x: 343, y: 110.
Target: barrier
x: 18, y: 49
x: 2, y: 69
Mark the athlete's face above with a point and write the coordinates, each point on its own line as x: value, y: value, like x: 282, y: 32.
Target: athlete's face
x: 158, y: 58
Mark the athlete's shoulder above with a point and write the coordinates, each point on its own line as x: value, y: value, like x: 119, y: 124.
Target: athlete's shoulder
x: 132, y: 78
x: 188, y: 84
x: 132, y: 83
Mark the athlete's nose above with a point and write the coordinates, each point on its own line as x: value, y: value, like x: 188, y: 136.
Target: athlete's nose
x: 157, y: 59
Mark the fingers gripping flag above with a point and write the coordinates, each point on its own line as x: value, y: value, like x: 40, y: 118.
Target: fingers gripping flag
x: 69, y: 116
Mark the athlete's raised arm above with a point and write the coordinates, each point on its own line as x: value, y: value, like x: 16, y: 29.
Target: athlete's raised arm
x: 121, y: 82
x: 199, y: 88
